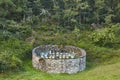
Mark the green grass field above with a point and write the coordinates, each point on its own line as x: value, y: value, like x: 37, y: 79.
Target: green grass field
x: 98, y: 72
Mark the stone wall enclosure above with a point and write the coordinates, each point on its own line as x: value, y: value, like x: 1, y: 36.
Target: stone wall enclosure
x: 59, y: 59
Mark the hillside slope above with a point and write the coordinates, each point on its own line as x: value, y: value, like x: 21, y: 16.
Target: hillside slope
x: 104, y: 72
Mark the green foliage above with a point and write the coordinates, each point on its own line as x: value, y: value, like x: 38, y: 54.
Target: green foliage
x: 12, y: 51
x: 9, y: 61
x: 98, y: 54
x: 106, y: 36
x: 66, y: 14
x: 102, y: 37
x: 11, y: 28
x: 108, y: 19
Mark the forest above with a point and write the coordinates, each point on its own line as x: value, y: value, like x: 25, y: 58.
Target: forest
x: 93, y: 25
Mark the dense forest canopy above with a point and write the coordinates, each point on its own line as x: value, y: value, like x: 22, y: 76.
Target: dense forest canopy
x: 67, y: 11
x: 25, y: 24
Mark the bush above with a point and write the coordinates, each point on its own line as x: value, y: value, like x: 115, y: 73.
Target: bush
x: 9, y: 61
x: 11, y: 28
x: 12, y: 52
x: 107, y: 36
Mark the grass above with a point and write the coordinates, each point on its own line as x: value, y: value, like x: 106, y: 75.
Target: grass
x: 99, y: 72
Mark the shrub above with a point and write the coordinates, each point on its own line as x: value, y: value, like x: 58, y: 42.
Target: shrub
x: 9, y: 61
x: 106, y: 36
x: 12, y: 52
x: 11, y: 28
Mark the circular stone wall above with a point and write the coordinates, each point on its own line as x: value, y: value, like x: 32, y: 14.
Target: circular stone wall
x: 59, y: 59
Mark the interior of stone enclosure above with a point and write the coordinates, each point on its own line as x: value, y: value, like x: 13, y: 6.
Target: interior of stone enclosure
x: 58, y: 52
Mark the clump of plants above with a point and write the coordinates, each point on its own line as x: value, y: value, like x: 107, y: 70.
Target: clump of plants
x: 12, y: 53
x: 109, y: 36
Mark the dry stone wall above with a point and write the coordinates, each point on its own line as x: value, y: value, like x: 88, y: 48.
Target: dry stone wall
x: 71, y: 65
